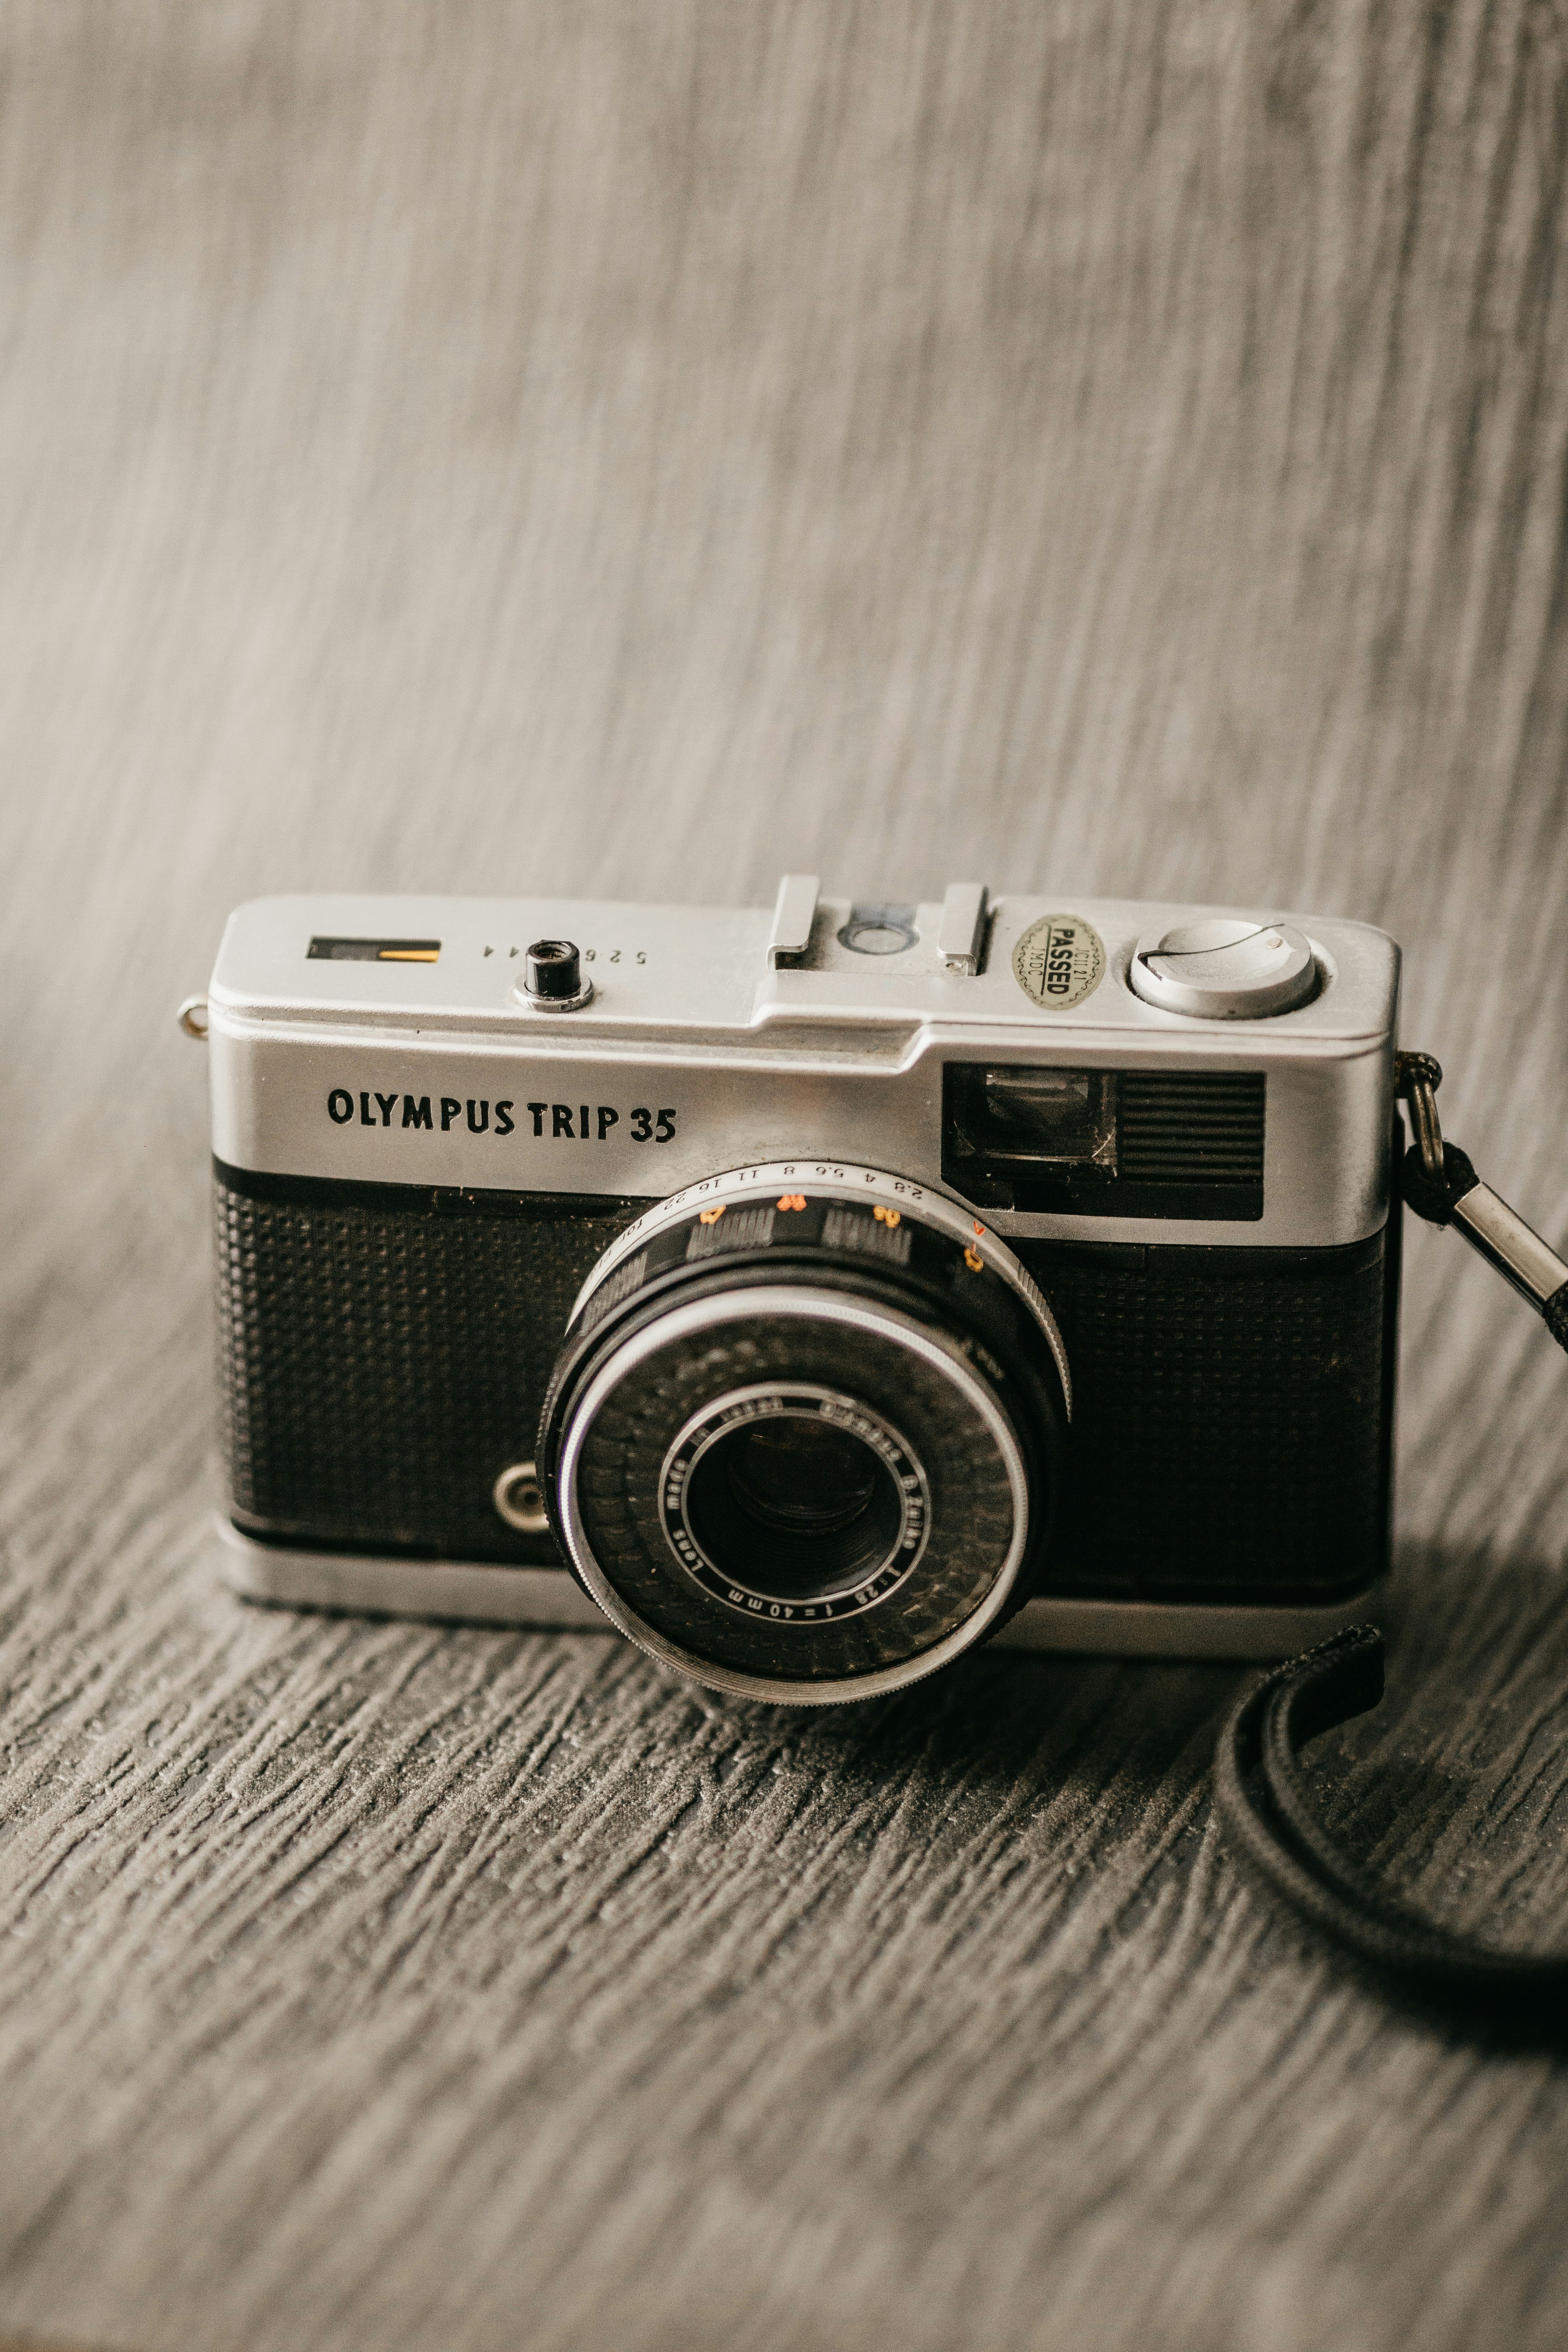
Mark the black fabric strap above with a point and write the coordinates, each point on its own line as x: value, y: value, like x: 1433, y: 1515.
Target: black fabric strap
x: 1271, y: 1823
x: 1264, y: 1803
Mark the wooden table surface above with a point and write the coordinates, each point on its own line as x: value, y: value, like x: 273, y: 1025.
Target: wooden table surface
x: 577, y: 447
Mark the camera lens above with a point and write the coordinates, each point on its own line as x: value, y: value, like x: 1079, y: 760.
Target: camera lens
x: 792, y: 1494
x: 798, y: 1476
x: 803, y: 1436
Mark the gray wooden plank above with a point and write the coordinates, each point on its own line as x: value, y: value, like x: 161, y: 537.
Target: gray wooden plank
x: 1118, y: 446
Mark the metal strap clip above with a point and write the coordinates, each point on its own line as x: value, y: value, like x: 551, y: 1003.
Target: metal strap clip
x: 1416, y: 1078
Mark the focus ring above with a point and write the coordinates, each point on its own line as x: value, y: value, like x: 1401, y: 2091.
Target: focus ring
x: 807, y: 1185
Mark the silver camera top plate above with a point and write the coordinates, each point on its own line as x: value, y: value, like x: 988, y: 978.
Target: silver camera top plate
x: 380, y: 1040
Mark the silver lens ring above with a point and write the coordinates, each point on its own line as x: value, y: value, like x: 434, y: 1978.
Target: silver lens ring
x: 703, y: 1315
x: 838, y: 1180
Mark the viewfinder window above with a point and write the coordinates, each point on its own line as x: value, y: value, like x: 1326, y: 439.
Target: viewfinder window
x: 1029, y: 1116
x: 1105, y: 1143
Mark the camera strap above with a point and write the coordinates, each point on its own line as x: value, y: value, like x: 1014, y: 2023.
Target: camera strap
x: 1264, y: 1801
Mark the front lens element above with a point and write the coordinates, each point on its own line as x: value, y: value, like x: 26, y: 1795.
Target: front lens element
x: 794, y: 1500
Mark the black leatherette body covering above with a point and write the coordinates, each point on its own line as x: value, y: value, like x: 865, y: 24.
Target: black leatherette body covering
x: 384, y: 1354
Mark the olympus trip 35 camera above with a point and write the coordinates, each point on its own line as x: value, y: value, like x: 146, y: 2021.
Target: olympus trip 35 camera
x: 809, y: 1296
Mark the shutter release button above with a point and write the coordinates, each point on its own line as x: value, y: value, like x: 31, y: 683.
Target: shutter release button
x: 1232, y: 968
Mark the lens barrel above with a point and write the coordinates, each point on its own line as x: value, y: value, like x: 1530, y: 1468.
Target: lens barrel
x: 804, y: 1433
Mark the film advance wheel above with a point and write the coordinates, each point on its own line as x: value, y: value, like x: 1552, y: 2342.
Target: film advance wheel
x: 804, y: 1433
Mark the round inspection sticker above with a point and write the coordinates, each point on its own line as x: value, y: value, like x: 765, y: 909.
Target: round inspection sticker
x: 1059, y: 960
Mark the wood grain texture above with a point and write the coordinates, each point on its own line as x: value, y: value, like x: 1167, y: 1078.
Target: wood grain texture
x: 1113, y: 447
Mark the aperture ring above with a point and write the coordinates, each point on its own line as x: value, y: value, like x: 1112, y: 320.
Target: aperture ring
x: 716, y: 1198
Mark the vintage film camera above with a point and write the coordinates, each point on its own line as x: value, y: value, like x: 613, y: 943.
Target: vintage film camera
x: 808, y: 1295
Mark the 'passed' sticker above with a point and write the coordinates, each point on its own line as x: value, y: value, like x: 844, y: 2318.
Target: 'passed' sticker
x: 1059, y: 960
